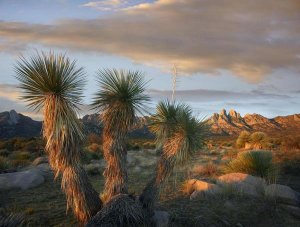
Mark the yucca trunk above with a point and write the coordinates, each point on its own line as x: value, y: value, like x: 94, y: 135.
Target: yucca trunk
x: 115, y: 173
x: 63, y: 148
x: 151, y: 192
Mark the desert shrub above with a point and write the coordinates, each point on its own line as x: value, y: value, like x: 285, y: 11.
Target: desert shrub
x: 21, y: 155
x: 94, y: 138
x: 243, y: 138
x: 149, y: 145
x: 207, y: 170
x: 290, y: 143
x: 257, y: 163
x: 291, y: 167
x: 18, y: 163
x: 94, y: 147
x: 4, y: 163
x: 259, y: 140
x: 92, y: 170
x: 89, y: 155
x: 231, y: 153
x: 4, y: 152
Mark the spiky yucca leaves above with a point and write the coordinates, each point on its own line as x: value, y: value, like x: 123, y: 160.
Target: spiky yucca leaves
x: 179, y: 135
x: 120, y: 98
x: 122, y: 210
x: 54, y: 84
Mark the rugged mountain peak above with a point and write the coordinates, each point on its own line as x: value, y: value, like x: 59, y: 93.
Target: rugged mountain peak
x: 234, y: 115
x: 223, y: 112
x: 13, y: 117
x: 252, y: 119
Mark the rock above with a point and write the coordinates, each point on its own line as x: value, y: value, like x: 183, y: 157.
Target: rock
x: 243, y: 183
x: 130, y: 160
x: 21, y: 180
x: 283, y: 194
x: 211, y: 190
x: 194, y: 187
x: 40, y: 160
x: 161, y: 218
x: 44, y: 168
x: 295, y: 211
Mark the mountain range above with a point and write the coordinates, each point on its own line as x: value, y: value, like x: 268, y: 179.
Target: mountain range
x: 13, y: 124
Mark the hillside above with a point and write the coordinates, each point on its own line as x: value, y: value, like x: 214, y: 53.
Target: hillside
x: 13, y: 124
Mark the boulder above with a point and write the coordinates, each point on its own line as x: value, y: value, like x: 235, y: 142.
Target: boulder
x: 40, y: 160
x: 44, y: 168
x: 196, y: 187
x: 283, y: 194
x: 212, y: 189
x: 243, y: 183
x: 293, y: 210
x: 21, y: 180
x: 160, y: 218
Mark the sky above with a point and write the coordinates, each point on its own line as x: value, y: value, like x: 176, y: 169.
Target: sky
x: 242, y: 55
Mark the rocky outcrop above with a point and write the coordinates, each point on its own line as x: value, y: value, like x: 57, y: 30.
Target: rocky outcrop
x: 233, y: 123
x: 21, y: 180
x: 283, y: 194
x: 244, y: 184
x: 13, y: 124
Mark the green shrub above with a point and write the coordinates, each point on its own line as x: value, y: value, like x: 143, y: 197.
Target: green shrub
x: 21, y: 155
x: 257, y: 163
x: 4, y: 152
x: 259, y: 140
x: 243, y: 138
x: 4, y: 163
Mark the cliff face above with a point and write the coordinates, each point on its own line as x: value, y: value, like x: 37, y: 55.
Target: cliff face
x: 232, y: 123
x: 13, y: 124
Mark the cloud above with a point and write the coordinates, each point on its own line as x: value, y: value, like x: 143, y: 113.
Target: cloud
x: 250, y: 39
x: 105, y: 4
x: 205, y: 95
x: 9, y: 92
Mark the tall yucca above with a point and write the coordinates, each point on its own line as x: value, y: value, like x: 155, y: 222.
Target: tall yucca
x: 120, y: 98
x: 178, y: 135
x: 54, y: 84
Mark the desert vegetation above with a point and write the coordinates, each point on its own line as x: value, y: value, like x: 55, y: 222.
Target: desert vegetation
x: 183, y: 176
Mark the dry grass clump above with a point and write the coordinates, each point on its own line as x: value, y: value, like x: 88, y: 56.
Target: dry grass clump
x: 11, y: 220
x: 243, y: 138
x: 257, y: 163
x: 208, y: 170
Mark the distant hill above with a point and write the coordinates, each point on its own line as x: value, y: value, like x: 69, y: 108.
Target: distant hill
x: 13, y: 124
x: 232, y: 123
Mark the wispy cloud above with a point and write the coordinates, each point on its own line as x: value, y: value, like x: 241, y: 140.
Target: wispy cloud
x: 106, y: 4
x: 250, y: 39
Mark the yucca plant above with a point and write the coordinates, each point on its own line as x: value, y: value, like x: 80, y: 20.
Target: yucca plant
x: 179, y: 135
x: 53, y: 83
x: 120, y: 99
x: 257, y: 163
